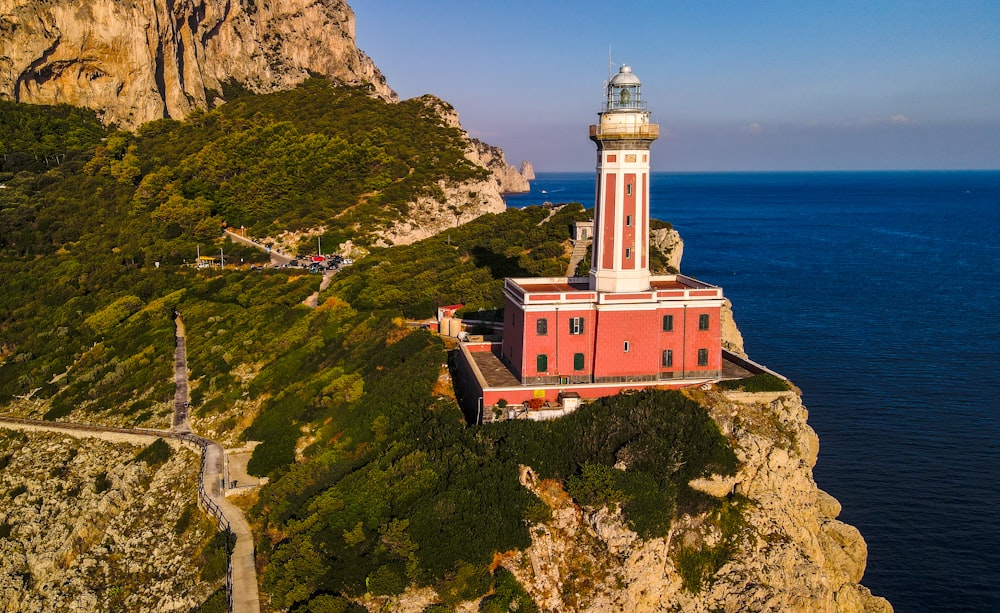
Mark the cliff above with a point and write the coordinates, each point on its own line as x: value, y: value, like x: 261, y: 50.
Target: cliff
x: 86, y: 527
x: 138, y: 61
x: 461, y: 202
x: 790, y: 553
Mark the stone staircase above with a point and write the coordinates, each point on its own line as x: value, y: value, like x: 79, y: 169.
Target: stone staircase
x: 579, y: 252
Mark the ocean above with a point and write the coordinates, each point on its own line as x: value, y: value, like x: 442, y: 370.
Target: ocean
x: 876, y: 293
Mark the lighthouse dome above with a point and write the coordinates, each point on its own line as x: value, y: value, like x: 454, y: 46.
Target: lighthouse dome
x: 625, y: 78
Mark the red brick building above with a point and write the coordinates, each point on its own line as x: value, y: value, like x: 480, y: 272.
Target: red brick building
x: 620, y: 327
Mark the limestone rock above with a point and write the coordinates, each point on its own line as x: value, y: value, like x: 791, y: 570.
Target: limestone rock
x: 732, y: 338
x: 138, y: 61
x: 790, y: 556
x: 96, y: 531
x: 509, y: 179
x: 669, y: 242
x: 828, y: 505
x: 464, y: 201
x: 716, y: 485
x: 527, y: 170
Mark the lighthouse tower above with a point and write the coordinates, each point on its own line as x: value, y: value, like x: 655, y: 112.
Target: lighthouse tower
x: 620, y: 261
x: 619, y: 327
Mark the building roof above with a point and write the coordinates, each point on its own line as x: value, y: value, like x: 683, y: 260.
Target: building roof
x: 546, y: 285
x: 625, y: 77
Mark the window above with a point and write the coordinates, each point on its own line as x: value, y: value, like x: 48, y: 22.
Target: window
x: 668, y: 323
x: 628, y: 220
x: 542, y: 362
x: 627, y: 346
x: 703, y: 357
x: 703, y: 321
x: 628, y: 253
x: 628, y: 189
x: 668, y: 358
x: 541, y: 326
x: 576, y: 325
x: 578, y: 361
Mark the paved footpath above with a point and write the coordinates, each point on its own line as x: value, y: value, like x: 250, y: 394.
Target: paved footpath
x: 181, y: 394
x: 245, y: 597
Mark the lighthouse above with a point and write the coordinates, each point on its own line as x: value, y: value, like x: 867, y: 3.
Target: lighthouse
x: 619, y: 327
x: 623, y: 134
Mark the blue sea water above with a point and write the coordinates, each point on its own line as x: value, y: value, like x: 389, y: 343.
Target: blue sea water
x: 877, y: 294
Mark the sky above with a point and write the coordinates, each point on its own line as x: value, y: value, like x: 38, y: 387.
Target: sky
x: 735, y: 85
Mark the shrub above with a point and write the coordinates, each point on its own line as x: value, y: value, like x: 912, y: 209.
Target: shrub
x: 762, y: 382
x: 508, y: 595
x: 214, y: 556
x: 155, y: 454
x: 102, y: 483
x: 218, y: 602
x: 387, y: 580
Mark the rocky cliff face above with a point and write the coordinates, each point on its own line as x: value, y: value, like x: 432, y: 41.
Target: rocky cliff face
x: 84, y: 527
x: 669, y: 242
x: 509, y: 179
x: 791, y: 553
x: 463, y: 202
x: 138, y: 61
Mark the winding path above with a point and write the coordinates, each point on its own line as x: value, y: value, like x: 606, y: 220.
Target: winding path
x: 242, y: 580
x: 181, y: 395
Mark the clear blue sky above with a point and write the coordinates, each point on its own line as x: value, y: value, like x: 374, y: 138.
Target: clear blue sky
x: 734, y: 85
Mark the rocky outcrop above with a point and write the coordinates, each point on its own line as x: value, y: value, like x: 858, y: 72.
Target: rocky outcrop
x: 138, y: 61
x: 669, y: 242
x: 791, y: 555
x: 463, y: 201
x: 428, y: 216
x: 732, y: 338
x: 509, y: 180
x: 527, y: 170
x: 87, y: 528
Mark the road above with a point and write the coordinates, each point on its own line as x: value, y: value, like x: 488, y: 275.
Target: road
x: 277, y: 258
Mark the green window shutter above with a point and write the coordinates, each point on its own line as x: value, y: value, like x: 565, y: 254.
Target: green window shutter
x: 578, y: 361
x: 542, y: 362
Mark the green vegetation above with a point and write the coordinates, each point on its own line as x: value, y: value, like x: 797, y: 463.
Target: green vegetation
x: 34, y: 138
x: 508, y: 595
x: 376, y: 481
x: 155, y: 454
x: 214, y: 556
x: 763, y: 382
x: 466, y: 264
x: 695, y: 565
x: 218, y: 602
x: 102, y: 482
x: 315, y: 155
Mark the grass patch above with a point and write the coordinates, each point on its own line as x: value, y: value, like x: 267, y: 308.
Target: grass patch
x: 763, y: 382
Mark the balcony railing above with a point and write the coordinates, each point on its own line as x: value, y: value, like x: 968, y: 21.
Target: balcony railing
x: 647, y: 131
